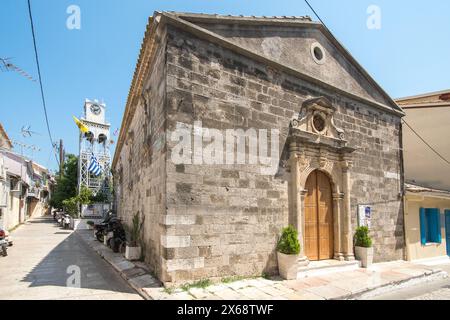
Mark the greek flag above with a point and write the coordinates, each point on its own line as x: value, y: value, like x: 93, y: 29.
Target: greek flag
x: 95, y: 167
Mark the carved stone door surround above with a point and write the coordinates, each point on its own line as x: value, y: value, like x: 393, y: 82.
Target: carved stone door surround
x: 316, y: 143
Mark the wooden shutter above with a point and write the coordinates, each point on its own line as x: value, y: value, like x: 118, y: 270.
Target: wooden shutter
x: 437, y: 225
x: 423, y: 227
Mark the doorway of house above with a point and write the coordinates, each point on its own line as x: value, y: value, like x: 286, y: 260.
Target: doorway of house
x: 319, y: 241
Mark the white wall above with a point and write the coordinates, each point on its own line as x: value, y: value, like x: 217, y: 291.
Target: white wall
x: 421, y: 164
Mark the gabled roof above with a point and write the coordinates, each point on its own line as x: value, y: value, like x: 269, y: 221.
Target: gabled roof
x: 202, y: 17
x: 188, y: 22
x: 5, y: 136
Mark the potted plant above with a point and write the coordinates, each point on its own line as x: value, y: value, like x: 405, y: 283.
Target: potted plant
x: 90, y: 224
x: 363, y: 247
x: 288, y: 250
x: 133, y: 249
x: 71, y: 208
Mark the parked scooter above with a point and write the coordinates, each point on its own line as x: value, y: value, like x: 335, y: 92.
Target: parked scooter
x: 100, y: 228
x: 3, y: 243
x: 118, y: 241
x: 8, y: 238
x: 56, y: 214
x: 66, y: 221
x: 60, y: 219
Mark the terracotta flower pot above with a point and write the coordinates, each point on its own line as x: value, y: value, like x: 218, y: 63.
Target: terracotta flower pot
x: 287, y: 266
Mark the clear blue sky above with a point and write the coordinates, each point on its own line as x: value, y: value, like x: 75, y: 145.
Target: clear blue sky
x: 409, y: 55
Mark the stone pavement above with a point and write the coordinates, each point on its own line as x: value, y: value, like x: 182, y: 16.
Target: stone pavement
x: 360, y: 283
x: 136, y: 273
x: 42, y: 261
x: 334, y: 286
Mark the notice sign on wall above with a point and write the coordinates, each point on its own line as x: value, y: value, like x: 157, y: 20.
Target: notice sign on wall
x: 364, y: 216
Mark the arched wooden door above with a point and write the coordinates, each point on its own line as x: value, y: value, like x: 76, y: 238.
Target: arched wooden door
x: 319, y: 242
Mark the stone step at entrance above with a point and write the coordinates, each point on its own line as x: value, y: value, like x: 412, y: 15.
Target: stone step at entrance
x: 317, y: 268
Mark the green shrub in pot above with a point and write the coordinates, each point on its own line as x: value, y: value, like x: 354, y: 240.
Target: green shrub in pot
x: 288, y: 252
x: 363, y: 246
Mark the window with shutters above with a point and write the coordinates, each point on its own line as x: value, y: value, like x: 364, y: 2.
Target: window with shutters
x: 430, y: 226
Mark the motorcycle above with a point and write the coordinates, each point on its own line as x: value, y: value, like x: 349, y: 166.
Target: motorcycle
x: 60, y: 221
x: 8, y: 239
x: 100, y: 228
x: 56, y: 214
x: 66, y: 221
x: 3, y: 243
x: 118, y: 241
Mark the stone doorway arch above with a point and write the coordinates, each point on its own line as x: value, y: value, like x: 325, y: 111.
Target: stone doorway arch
x: 322, y: 150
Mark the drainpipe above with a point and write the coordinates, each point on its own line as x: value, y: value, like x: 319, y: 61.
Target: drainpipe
x: 402, y: 195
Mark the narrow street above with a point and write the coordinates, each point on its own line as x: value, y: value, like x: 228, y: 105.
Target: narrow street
x: 436, y: 290
x: 37, y: 267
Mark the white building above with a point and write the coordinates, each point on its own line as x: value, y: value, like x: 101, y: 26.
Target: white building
x: 25, y: 187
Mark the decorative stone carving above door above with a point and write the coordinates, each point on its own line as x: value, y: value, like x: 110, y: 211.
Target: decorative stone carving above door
x: 316, y: 120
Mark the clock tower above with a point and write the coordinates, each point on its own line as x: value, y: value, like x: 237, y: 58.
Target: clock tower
x: 94, y: 111
x: 96, y: 142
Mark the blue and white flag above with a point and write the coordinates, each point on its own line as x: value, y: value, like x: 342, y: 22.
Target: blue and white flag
x: 94, y: 166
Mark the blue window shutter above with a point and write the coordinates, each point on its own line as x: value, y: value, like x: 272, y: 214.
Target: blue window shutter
x: 437, y: 217
x: 431, y: 225
x: 423, y: 227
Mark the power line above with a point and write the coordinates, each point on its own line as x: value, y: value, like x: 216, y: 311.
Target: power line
x: 404, y: 121
x: 316, y: 14
x: 424, y: 141
x: 40, y: 78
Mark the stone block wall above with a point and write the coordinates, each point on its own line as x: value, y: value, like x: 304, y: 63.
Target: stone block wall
x: 224, y: 220
x: 140, y: 171
x: 214, y: 221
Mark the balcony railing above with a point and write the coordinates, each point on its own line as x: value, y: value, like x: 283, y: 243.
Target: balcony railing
x: 34, y: 193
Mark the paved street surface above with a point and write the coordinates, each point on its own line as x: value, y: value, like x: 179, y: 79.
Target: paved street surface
x: 337, y: 285
x: 36, y: 267
x: 436, y: 290
x: 380, y: 279
x: 355, y: 284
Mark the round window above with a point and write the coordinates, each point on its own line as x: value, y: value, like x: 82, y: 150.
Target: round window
x: 318, y: 53
x: 319, y: 123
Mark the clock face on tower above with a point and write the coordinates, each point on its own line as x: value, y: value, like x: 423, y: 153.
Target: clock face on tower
x: 95, y: 108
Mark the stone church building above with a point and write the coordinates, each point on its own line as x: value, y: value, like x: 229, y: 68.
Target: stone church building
x: 339, y: 147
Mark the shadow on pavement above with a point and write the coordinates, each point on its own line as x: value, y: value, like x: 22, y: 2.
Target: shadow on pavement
x: 57, y: 267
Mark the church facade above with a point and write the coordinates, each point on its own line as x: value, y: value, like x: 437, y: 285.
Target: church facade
x: 333, y: 138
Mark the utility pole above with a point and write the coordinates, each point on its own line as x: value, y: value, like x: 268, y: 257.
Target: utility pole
x: 61, y: 157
